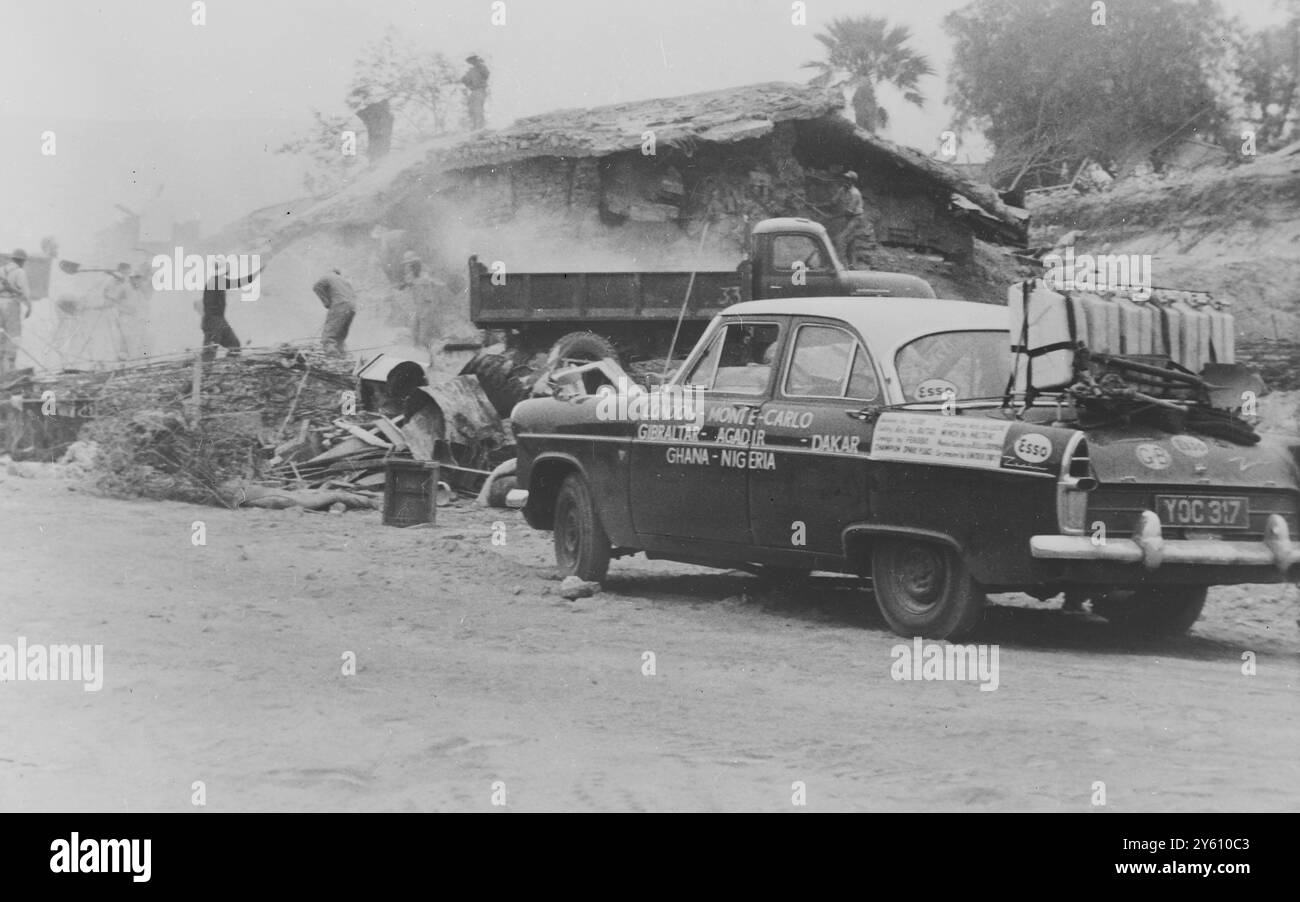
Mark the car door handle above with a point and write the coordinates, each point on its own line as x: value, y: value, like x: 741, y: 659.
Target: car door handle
x: 865, y: 414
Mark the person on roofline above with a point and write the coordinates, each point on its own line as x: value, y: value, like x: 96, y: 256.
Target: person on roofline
x: 476, y: 84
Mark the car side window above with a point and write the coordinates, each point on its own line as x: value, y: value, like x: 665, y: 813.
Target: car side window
x: 787, y: 250
x: 738, y: 360
x: 828, y: 362
x: 863, y: 384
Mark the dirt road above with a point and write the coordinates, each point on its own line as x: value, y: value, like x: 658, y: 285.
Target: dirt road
x: 224, y: 664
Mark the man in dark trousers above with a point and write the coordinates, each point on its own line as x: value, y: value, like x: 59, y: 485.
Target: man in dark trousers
x: 476, y: 83
x: 216, y: 331
x: 340, y: 301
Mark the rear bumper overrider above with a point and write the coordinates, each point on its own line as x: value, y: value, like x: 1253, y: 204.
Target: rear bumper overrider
x: 1149, y: 547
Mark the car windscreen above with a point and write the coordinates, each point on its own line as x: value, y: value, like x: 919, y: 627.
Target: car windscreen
x: 973, y: 364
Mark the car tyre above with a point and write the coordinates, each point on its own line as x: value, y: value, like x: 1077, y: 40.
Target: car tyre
x: 585, y: 347
x: 1153, y: 612
x: 498, y: 378
x: 925, y: 589
x: 581, y: 546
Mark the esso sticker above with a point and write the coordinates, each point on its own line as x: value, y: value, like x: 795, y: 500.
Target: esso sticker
x: 1033, y: 447
x: 935, y: 390
x: 1190, y: 445
x: 1152, y: 456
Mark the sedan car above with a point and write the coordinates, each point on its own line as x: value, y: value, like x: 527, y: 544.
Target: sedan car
x: 880, y: 438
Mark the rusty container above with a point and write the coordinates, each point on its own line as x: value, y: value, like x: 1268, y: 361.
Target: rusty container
x: 410, y: 492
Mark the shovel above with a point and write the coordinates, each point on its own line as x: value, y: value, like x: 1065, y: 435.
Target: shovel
x: 73, y: 269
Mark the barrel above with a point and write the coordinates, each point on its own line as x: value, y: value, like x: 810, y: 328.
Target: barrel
x: 410, y: 492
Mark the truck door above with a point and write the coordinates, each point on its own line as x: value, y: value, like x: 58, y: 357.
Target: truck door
x: 794, y: 264
x: 818, y: 439
x: 691, y: 480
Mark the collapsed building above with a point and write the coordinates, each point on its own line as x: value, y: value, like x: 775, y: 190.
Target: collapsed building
x: 654, y: 185
x: 670, y: 183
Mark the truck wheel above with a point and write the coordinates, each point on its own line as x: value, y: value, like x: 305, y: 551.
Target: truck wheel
x: 581, y: 545
x: 581, y: 346
x: 925, y: 589
x: 1154, y: 612
x: 496, y: 375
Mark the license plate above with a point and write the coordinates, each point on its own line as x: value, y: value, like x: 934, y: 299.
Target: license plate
x: 1205, y: 511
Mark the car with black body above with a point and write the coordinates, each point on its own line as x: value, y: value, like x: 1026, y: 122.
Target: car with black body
x: 882, y: 438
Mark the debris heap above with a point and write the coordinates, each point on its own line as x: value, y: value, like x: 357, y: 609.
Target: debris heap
x: 272, y: 427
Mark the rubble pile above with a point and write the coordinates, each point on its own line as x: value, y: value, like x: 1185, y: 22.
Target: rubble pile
x: 187, y: 429
x: 1277, y: 359
x: 271, y: 427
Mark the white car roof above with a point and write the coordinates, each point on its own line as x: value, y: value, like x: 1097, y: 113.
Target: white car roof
x: 886, y: 323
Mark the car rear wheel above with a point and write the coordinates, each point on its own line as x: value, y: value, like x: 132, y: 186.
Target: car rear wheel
x: 925, y: 589
x: 581, y: 545
x: 1153, y: 612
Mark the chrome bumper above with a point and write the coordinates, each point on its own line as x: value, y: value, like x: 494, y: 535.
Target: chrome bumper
x: 1149, y: 548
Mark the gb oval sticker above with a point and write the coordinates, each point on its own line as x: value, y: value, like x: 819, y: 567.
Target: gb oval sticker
x: 1190, y: 445
x: 1152, y: 456
x: 1033, y: 447
x: 934, y: 390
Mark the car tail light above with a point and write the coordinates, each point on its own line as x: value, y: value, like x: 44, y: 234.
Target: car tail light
x: 1073, y: 487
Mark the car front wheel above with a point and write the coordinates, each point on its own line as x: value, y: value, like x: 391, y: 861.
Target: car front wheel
x: 581, y: 545
x: 925, y: 589
x: 1153, y: 612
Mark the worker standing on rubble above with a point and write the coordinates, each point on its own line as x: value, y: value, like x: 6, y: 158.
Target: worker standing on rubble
x: 140, y: 283
x: 423, y: 300
x: 216, y: 330
x: 339, y: 298
x: 15, y: 306
x: 476, y: 84
x: 848, y: 218
x: 122, y: 291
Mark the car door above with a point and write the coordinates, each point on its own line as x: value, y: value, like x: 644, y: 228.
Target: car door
x: 819, y: 438
x: 799, y: 266
x: 692, y: 480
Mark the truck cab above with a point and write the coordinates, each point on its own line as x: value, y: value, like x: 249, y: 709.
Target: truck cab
x: 792, y: 257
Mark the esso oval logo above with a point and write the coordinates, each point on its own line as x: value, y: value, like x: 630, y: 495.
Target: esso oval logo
x: 935, y: 390
x: 1152, y: 457
x: 1033, y: 447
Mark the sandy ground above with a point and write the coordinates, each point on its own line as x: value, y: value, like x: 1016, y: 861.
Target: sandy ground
x: 223, y: 664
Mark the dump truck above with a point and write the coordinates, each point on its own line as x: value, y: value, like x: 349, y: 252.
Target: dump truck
x: 549, y: 319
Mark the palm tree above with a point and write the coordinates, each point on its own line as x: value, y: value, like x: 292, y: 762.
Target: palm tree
x: 864, y: 52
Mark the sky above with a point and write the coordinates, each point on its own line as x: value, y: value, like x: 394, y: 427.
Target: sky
x: 144, y: 61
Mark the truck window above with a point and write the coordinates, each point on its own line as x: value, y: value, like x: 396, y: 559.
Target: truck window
x: 738, y: 360
x: 828, y: 362
x: 790, y: 249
